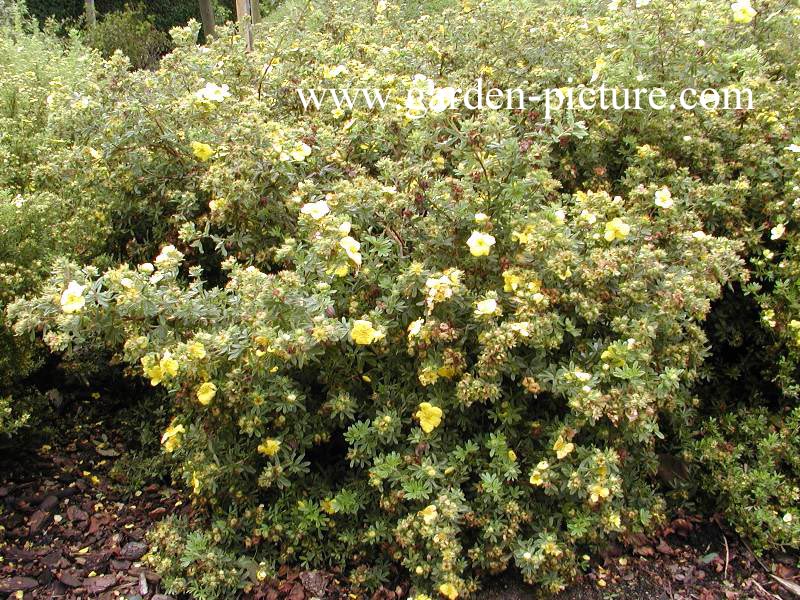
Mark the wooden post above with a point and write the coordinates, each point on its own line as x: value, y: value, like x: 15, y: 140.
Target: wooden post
x: 244, y: 14
x: 91, y: 14
x: 207, y: 16
x: 256, y: 11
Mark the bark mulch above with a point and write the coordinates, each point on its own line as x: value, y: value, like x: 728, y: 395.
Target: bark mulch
x: 67, y: 531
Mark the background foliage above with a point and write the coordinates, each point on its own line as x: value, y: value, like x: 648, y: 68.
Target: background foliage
x: 166, y: 14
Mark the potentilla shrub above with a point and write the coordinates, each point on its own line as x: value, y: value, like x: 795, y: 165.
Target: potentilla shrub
x: 738, y: 168
x: 40, y: 75
x: 455, y: 410
x: 449, y: 343
x: 749, y: 459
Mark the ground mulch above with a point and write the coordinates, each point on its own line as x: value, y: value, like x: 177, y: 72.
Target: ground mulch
x: 66, y: 529
x: 69, y: 530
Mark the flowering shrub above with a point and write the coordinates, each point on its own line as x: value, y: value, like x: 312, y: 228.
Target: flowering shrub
x: 388, y: 398
x: 36, y: 223
x: 452, y: 341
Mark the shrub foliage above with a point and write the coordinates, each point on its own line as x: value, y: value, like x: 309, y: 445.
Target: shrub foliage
x: 455, y: 343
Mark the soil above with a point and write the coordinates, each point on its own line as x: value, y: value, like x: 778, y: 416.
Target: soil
x: 69, y: 530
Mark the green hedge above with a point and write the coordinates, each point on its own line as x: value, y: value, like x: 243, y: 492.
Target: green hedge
x: 166, y: 13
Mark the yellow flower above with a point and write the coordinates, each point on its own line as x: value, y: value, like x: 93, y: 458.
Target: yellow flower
x: 414, y: 107
x: 154, y: 373
x: 428, y: 376
x: 511, y: 281
x: 599, y: 66
x: 743, y: 12
x: 441, y: 288
x: 487, y: 307
x: 206, y: 393
x: 169, y: 366
x: 316, y: 210
x: 169, y: 257
x: 443, y: 99
x: 415, y: 327
x: 588, y: 216
x: 523, y: 328
x: 331, y: 72
x: 551, y: 548
x: 72, y: 300
x: 300, y: 152
x: 196, y: 350
x: 596, y: 492
x: 363, y: 333
x: 202, y: 151
x: 218, y: 204
x: 213, y: 93
x: 664, y: 198
x: 429, y: 416
x: 196, y: 485
x: 520, y: 236
x: 537, y: 475
x: 480, y: 243
x: 446, y: 371
x: 269, y: 447
x: 562, y: 447
x: 512, y: 456
x: 415, y: 268
x: 351, y: 247
x: 429, y: 514
x: 448, y: 590
x: 171, y: 438
x: 616, y: 229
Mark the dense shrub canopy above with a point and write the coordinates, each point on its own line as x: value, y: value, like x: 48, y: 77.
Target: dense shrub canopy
x: 36, y: 224
x: 454, y: 343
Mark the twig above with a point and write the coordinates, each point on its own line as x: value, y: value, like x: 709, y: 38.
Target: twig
x: 761, y: 562
x: 787, y: 585
x: 727, y: 557
x: 784, y: 583
x: 278, y: 46
x: 768, y: 593
x: 393, y: 234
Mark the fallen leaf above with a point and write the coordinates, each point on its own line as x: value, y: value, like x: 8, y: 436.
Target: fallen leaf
x: 708, y: 558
